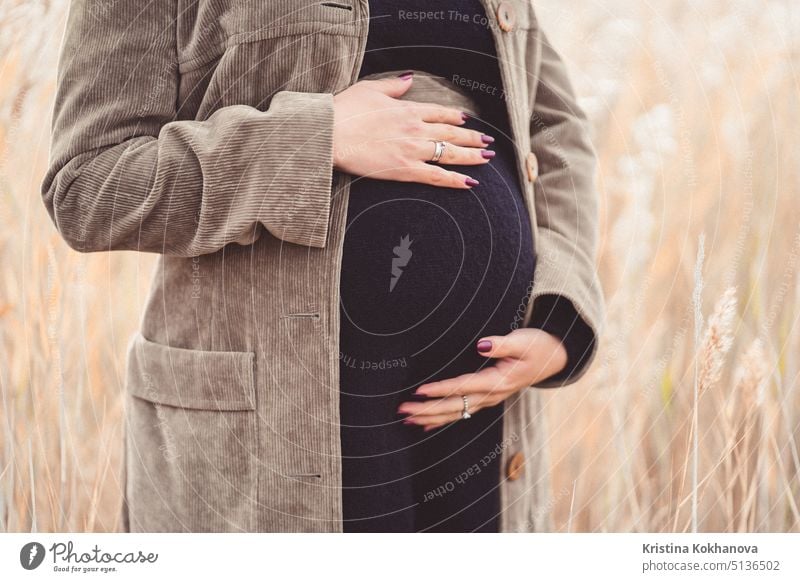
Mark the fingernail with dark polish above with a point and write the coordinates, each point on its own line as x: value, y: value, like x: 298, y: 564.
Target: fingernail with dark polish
x: 464, y: 116
x: 487, y: 138
x: 484, y: 345
x: 406, y: 76
x: 488, y: 153
x: 471, y: 182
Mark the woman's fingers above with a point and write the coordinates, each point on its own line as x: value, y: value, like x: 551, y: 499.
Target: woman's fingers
x: 454, y: 154
x: 435, y: 113
x: 487, y: 380
x: 448, y: 405
x: 435, y: 175
x: 433, y: 121
x: 515, y: 344
x: 460, y: 136
x: 434, y: 421
x: 435, y: 407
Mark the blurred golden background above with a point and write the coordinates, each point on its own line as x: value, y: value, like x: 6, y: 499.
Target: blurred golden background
x: 696, y: 114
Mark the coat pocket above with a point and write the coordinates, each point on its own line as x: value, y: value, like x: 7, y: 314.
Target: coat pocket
x: 191, y: 440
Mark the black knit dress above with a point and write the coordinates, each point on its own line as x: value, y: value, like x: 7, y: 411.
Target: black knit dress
x: 426, y: 272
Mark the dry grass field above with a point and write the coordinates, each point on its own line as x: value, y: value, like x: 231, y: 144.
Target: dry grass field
x: 690, y: 417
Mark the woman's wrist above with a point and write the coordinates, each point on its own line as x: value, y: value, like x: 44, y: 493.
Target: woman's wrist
x: 559, y: 358
x: 557, y: 316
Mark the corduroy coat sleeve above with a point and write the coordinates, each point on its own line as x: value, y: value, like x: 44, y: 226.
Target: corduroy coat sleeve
x: 124, y: 173
x: 566, y: 200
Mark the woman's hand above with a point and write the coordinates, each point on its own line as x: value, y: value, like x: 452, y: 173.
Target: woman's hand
x: 525, y: 356
x: 380, y: 136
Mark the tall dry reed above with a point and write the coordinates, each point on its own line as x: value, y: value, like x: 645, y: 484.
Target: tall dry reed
x: 696, y: 117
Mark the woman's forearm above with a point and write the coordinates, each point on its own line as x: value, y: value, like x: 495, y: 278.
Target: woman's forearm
x: 125, y: 174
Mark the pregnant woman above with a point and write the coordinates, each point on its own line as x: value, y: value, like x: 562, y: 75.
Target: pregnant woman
x: 376, y: 227
x: 462, y: 263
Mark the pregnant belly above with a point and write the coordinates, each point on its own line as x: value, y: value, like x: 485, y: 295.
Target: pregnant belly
x: 427, y: 270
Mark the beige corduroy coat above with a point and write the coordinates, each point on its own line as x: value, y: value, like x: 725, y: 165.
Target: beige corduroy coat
x: 202, y: 131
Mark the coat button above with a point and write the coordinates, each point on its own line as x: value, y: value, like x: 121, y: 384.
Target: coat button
x: 506, y: 16
x: 515, y: 466
x: 532, y: 165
